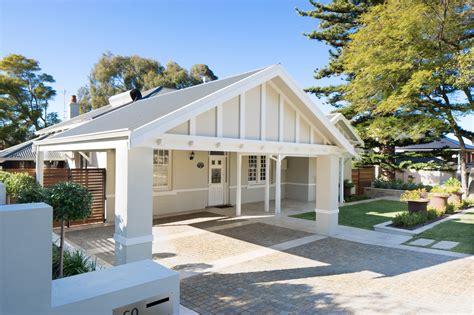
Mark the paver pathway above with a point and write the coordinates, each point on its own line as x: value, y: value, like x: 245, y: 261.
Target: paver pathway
x: 277, y: 265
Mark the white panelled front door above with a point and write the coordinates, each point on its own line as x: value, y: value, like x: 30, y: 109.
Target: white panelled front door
x: 216, y: 179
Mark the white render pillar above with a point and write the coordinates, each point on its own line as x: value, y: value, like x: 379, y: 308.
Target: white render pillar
x: 278, y: 185
x: 327, y: 179
x: 133, y: 204
x: 25, y: 272
x: 267, y: 183
x: 238, y: 189
x: 110, y: 187
x: 39, y: 166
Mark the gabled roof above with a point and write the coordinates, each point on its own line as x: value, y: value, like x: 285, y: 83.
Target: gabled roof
x: 443, y: 143
x: 83, y: 118
x: 150, y: 117
x: 348, y: 130
x: 24, y: 152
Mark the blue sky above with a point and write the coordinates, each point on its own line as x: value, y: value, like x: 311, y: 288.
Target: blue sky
x: 68, y: 37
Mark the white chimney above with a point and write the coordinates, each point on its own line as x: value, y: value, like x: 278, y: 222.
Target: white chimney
x: 73, y: 107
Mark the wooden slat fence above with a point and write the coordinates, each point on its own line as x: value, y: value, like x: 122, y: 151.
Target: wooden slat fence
x: 362, y: 177
x: 92, y: 178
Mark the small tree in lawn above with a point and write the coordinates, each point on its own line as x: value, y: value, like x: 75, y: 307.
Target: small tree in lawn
x: 70, y: 201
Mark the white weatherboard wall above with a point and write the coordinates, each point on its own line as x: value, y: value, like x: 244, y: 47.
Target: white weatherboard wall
x: 25, y: 274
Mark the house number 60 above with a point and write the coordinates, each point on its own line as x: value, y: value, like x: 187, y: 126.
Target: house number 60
x: 134, y: 311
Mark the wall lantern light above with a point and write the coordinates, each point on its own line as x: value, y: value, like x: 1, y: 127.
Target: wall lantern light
x: 191, y: 156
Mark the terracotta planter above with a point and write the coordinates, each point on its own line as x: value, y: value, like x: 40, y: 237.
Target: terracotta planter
x: 417, y: 205
x: 455, y: 198
x: 439, y: 201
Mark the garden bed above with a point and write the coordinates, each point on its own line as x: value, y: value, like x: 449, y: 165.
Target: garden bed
x: 373, y: 192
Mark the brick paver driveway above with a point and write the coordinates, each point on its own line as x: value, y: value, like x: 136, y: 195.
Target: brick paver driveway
x: 239, y: 266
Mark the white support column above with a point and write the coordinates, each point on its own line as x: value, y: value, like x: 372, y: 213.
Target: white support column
x: 39, y: 166
x: 327, y: 179
x: 278, y: 185
x: 263, y: 111
x: 133, y: 204
x: 341, y: 180
x: 267, y: 183
x: 238, y: 189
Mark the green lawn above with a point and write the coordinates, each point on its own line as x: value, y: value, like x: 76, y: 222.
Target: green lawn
x: 364, y: 215
x: 457, y: 230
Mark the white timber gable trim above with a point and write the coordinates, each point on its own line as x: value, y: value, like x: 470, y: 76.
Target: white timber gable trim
x: 149, y: 133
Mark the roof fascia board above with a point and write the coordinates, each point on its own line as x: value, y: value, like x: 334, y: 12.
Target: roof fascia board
x: 121, y: 133
x: 340, y: 117
x: 163, y: 124
x: 200, y: 143
x: 317, y: 112
x: 85, y: 146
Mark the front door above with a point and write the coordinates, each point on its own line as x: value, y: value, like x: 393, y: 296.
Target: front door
x: 216, y: 179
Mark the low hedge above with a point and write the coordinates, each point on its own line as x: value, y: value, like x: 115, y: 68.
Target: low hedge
x: 410, y: 219
x: 398, y: 184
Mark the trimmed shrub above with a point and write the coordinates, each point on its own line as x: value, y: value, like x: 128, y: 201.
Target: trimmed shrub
x: 412, y: 195
x: 17, y: 182
x: 398, y: 184
x: 410, y: 219
x: 33, y: 193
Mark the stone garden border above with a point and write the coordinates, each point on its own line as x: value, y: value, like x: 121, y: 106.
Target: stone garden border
x: 385, y: 228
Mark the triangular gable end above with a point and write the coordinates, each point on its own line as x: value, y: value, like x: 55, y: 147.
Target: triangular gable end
x: 262, y: 107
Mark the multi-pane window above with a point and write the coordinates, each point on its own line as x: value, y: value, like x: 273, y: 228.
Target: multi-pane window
x: 253, y: 168
x: 161, y: 169
x: 257, y: 169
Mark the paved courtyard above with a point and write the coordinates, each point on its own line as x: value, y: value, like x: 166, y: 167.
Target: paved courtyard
x: 259, y: 263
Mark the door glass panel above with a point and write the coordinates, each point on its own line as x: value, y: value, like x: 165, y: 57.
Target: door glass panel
x: 216, y: 176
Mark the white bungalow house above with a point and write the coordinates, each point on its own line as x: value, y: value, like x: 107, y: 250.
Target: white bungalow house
x: 251, y: 137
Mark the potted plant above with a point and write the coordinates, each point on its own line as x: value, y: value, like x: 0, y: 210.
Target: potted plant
x: 347, y: 188
x: 416, y: 200
x: 438, y: 198
x: 70, y: 201
x: 453, y: 187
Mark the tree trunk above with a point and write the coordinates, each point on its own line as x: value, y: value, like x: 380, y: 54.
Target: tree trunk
x: 462, y: 162
x: 387, y: 172
x: 61, y: 250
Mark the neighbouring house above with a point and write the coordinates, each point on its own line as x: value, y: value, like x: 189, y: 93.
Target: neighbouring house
x: 21, y: 156
x: 436, y: 177
x: 251, y: 137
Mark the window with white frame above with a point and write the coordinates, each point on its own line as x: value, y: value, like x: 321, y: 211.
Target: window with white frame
x: 257, y: 169
x: 161, y: 169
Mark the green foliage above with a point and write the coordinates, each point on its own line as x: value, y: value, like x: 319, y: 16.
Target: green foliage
x: 398, y: 184
x: 411, y: 219
x: 438, y: 190
x: 413, y: 57
x: 25, y: 93
x: 3, y: 176
x: 74, y: 263
x: 452, y: 185
x: 339, y: 21
x: 114, y: 74
x: 412, y: 195
x: 348, y: 183
x: 451, y: 208
x: 70, y: 201
x: 467, y: 203
x: 17, y: 182
x: 356, y: 198
x: 32, y: 193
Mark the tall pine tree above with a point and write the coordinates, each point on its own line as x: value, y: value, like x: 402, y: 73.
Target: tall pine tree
x: 380, y: 131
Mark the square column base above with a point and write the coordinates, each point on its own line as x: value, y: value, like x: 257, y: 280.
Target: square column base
x: 327, y: 221
x: 129, y: 250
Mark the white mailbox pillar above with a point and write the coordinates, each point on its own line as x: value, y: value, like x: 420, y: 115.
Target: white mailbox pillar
x: 327, y: 180
x: 133, y: 204
x: 25, y: 247
x: 3, y: 194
